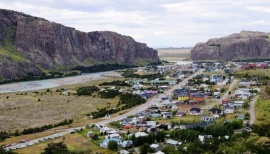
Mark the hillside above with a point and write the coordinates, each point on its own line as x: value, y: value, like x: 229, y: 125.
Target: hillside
x: 32, y: 46
x: 245, y: 45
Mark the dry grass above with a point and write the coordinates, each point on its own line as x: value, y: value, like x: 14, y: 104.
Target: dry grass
x: 21, y: 111
x: 74, y: 142
x: 265, y: 72
x: 174, y: 54
x: 30, y: 137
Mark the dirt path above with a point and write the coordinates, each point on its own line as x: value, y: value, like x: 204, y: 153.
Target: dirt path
x: 252, y: 110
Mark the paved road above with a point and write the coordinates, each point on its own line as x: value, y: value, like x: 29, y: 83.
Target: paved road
x: 252, y: 110
x: 106, y: 121
x: 232, y: 85
x: 150, y: 102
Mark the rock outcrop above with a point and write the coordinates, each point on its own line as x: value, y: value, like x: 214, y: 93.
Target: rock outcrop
x: 30, y: 45
x: 245, y: 45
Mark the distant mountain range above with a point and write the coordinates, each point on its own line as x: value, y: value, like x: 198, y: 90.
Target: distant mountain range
x: 32, y: 46
x: 242, y: 46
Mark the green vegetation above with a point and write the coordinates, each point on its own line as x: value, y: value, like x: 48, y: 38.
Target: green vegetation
x: 3, y: 135
x: 59, y: 148
x: 3, y: 151
x: 102, y: 67
x: 130, y: 100
x: 46, y: 127
x: 102, y: 112
x: 87, y: 90
x: 109, y: 93
x: 113, y: 145
x: 8, y: 49
x: 130, y: 73
x: 263, y: 76
x: 262, y: 109
x: 114, y: 83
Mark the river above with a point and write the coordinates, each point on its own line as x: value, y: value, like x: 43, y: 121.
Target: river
x: 51, y: 83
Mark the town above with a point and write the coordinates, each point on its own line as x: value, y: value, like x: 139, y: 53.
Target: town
x: 181, y: 105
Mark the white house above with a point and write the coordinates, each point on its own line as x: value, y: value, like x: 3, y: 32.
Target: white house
x: 105, y: 143
x: 138, y: 134
x: 104, y: 129
x: 113, y: 136
x: 238, y: 103
x: 229, y: 110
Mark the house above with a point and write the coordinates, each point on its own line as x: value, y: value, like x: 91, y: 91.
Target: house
x: 195, y: 111
x: 104, y: 129
x: 151, y: 123
x: 123, y: 152
x: 163, y: 126
x: 215, y: 111
x: 159, y: 152
x: 201, y: 138
x: 216, y: 94
x: 225, y: 101
x: 155, y: 147
x: 180, y: 114
x: 126, y: 143
x: 240, y: 116
x: 229, y: 110
x: 246, y: 83
x: 238, y: 103
x: 167, y: 115
x: 112, y: 136
x: 198, y: 97
x: 207, y: 118
x: 105, y: 143
x: 172, y: 142
x: 128, y: 126
x: 138, y: 134
x: 90, y: 134
x: 97, y: 127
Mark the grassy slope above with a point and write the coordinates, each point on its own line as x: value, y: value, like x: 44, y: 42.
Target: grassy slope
x: 8, y: 49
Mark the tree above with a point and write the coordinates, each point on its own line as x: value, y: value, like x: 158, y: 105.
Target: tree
x: 144, y: 148
x: 113, y: 145
x: 160, y: 137
x: 56, y: 148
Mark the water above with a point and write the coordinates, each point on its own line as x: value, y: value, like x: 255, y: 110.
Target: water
x: 28, y: 85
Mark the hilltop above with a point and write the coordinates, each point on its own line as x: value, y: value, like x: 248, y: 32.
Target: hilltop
x: 32, y: 46
x: 241, y: 46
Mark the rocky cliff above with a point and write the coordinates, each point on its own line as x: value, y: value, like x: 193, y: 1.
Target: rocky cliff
x: 245, y: 45
x: 32, y: 46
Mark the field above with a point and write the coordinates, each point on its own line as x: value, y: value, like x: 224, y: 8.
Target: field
x: 262, y: 109
x: 74, y: 142
x: 174, y: 54
x: 251, y: 72
x: 37, y: 108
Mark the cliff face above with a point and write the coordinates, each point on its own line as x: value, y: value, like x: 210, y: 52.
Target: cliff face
x: 245, y: 45
x: 29, y: 45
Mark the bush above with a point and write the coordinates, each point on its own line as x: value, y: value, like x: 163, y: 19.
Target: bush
x: 87, y: 90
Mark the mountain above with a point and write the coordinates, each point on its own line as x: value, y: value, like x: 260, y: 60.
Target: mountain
x: 32, y: 46
x: 245, y: 45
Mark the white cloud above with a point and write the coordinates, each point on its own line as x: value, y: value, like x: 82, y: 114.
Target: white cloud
x: 155, y: 22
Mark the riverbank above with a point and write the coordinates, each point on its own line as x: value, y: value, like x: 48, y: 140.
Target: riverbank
x: 51, y: 83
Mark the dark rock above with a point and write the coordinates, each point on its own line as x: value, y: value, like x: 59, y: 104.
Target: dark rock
x: 245, y: 45
x: 33, y: 44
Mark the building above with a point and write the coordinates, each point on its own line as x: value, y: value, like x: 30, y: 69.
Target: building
x: 105, y: 143
x: 195, y: 111
x: 229, y: 110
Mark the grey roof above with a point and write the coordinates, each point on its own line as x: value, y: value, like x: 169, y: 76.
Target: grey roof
x: 172, y: 142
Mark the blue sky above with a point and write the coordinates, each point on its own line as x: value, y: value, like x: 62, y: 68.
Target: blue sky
x: 158, y: 23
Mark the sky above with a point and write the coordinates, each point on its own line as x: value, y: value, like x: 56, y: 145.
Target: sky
x: 158, y: 23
